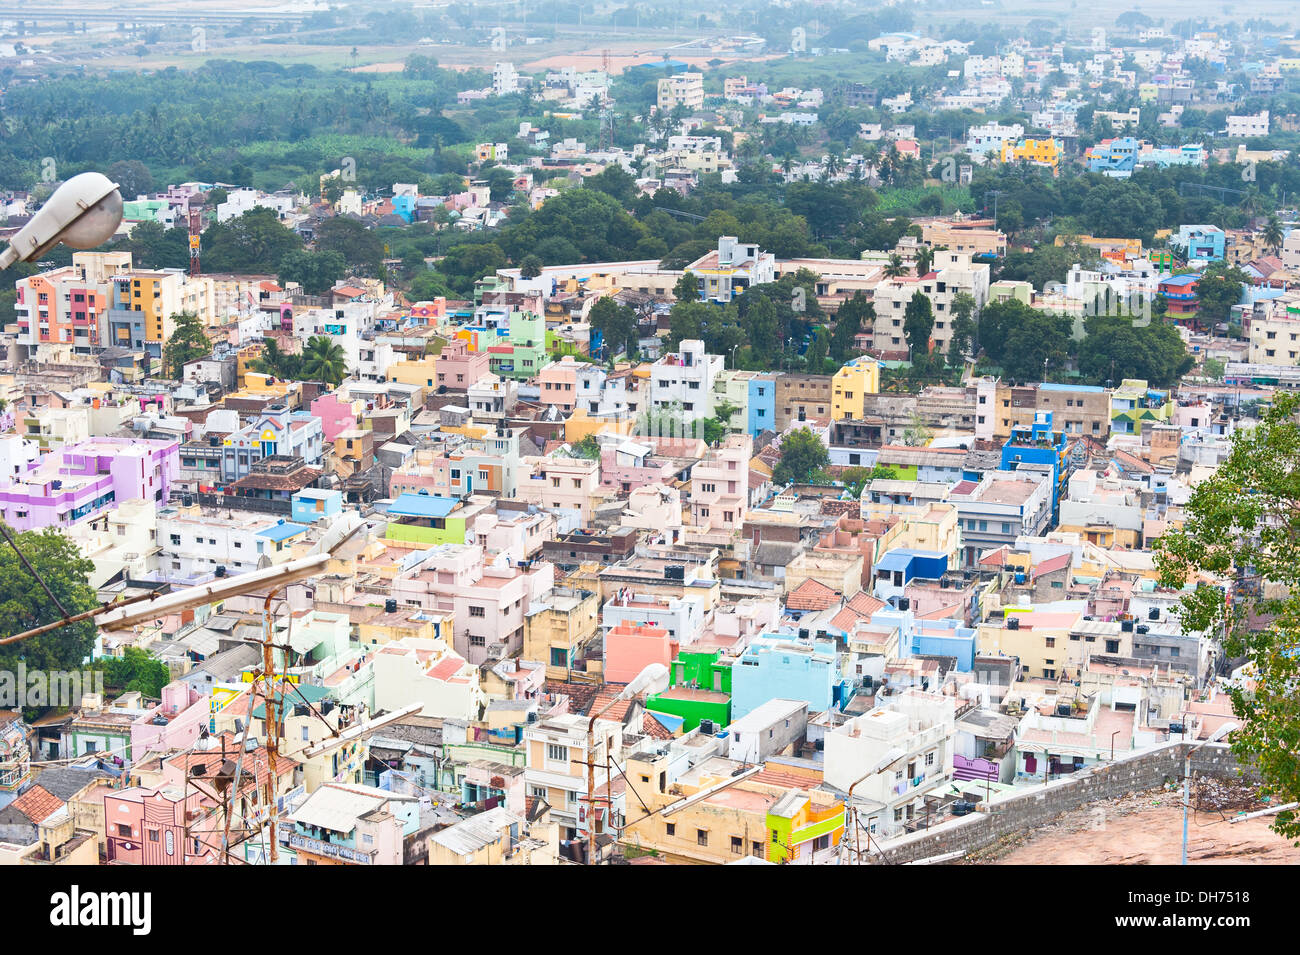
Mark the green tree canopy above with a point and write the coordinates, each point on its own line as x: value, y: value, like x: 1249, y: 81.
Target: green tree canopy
x: 1239, y: 553
x: 803, y: 456
x: 24, y: 605
x: 1114, y: 349
x: 188, y: 342
x: 316, y: 272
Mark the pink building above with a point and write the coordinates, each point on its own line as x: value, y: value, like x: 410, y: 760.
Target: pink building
x: 456, y: 367
x: 720, y: 485
x: 336, y: 415
x: 145, y: 826
x: 631, y: 647
x: 174, y: 723
x: 489, y: 602
x: 631, y: 465
x: 78, y: 481
x: 559, y: 383
x: 567, y: 484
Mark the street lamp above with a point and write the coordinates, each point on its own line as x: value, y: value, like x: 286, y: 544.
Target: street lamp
x: 83, y: 212
x: 1217, y: 735
x: 653, y: 679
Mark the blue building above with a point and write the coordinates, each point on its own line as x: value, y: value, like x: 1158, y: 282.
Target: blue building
x: 780, y: 666
x: 898, y: 568
x: 761, y: 412
x: 1198, y: 242
x: 948, y: 638
x: 1114, y: 157
x: 1039, y: 445
x: 311, y: 504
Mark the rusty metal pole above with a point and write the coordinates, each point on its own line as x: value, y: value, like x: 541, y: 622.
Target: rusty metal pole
x: 591, y: 789
x: 272, y: 724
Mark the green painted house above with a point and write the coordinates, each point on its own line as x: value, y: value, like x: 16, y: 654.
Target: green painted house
x: 700, y: 690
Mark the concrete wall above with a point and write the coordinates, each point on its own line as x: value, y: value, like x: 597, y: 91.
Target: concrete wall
x: 1034, y: 807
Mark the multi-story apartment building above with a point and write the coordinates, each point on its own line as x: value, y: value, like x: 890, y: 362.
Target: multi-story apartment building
x: 801, y: 398
x: 893, y: 756
x: 76, y: 482
x: 559, y: 630
x: 856, y: 378
x: 720, y: 485
x: 734, y: 266
x: 684, y: 381
x: 684, y: 89
x: 951, y: 273
x: 558, y: 757
x: 1001, y: 507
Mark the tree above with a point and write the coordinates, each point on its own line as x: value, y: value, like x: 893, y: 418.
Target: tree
x: 359, y: 246
x: 135, y: 670
x: 530, y: 267
x: 249, y: 243
x: 188, y: 342
x: 1272, y: 234
x: 1217, y: 290
x: 617, y: 325
x: 849, y: 320
x: 918, y: 323
x: 924, y: 258
x: 1114, y: 349
x: 316, y: 272
x: 1213, y: 368
x: 962, y: 342
x: 276, y: 363
x: 133, y: 178
x: 1037, y: 346
x: 856, y: 479
x: 466, y: 264
x: 24, y: 605
x: 687, y: 288
x: 323, y: 359
x: 894, y: 267
x: 1239, y: 551
x: 428, y: 285
x: 802, y: 456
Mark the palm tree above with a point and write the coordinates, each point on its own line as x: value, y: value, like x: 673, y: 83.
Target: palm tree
x: 1272, y: 234
x: 924, y: 258
x: 787, y: 163
x: 833, y: 163
x: 323, y: 360
x: 894, y: 267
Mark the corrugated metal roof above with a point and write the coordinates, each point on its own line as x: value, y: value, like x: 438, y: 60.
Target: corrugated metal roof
x: 423, y: 505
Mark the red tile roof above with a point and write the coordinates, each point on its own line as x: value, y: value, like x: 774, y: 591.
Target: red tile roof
x: 811, y: 595
x: 37, y: 804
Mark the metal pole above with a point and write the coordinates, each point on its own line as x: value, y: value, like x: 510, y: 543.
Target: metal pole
x: 1187, y: 798
x: 272, y: 726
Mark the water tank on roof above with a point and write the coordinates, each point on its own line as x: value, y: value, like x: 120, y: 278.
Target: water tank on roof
x: 390, y: 606
x: 706, y: 728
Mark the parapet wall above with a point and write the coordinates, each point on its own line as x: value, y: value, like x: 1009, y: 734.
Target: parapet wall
x: 1040, y: 804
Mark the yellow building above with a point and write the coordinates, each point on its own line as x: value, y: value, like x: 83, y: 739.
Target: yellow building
x: 1037, y: 152
x: 559, y: 628
x: 721, y: 811
x: 421, y: 372
x: 1040, y: 638
x: 856, y: 378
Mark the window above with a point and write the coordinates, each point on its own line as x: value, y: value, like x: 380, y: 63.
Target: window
x: 822, y: 842
x: 557, y: 752
x: 737, y: 845
x: 477, y: 612
x: 123, y: 829
x: 701, y: 837
x: 153, y: 835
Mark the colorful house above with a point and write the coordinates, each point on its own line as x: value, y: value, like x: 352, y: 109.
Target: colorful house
x: 1133, y: 405
x: 700, y: 690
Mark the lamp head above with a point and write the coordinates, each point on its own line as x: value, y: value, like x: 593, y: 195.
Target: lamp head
x: 83, y: 212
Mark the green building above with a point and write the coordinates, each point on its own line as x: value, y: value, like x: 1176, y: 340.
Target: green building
x: 700, y: 690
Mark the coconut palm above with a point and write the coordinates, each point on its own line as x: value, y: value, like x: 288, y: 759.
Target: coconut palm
x: 323, y: 360
x: 924, y: 259
x: 894, y: 267
x: 1272, y: 234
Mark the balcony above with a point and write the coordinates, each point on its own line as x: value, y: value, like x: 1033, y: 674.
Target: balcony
x: 328, y: 849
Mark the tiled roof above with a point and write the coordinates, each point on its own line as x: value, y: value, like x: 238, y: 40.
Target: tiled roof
x: 812, y: 594
x: 37, y: 804
x: 654, y: 729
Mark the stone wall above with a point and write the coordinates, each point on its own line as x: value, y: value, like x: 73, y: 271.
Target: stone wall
x: 1039, y: 804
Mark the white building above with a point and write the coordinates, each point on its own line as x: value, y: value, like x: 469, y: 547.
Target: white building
x: 685, y: 379
x: 415, y: 670
x: 1245, y: 127
x: 895, y: 754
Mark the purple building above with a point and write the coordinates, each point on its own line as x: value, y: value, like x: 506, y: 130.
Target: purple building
x: 76, y: 482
